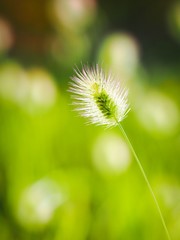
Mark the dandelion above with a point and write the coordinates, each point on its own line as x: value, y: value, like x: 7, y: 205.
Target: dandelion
x: 102, y: 99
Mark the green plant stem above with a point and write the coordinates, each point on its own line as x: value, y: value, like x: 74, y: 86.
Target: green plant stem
x: 146, y: 180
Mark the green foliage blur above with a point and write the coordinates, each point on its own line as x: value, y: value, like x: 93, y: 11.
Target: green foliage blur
x: 60, y: 178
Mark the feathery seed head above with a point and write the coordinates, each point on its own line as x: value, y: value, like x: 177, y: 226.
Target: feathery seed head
x: 99, y: 97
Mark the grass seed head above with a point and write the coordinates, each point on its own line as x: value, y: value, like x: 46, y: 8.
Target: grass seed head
x: 99, y: 97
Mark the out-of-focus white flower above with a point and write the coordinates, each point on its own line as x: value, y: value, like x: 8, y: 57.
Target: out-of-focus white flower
x: 32, y: 90
x: 111, y: 154
x: 43, y: 91
x: 14, y: 83
x: 73, y: 14
x: 120, y: 53
x: 39, y: 202
x: 158, y: 113
x: 99, y: 97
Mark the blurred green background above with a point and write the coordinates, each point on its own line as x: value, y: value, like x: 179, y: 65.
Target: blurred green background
x: 59, y: 178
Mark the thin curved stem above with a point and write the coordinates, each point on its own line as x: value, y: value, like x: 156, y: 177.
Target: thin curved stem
x: 146, y: 180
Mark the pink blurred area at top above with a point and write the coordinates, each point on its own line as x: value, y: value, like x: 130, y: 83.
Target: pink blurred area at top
x: 38, y: 24
x: 6, y: 36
